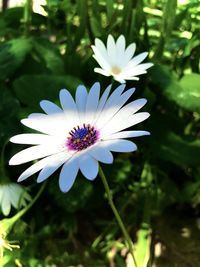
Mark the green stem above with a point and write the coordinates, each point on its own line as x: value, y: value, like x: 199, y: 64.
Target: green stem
x: 27, y: 16
x: 117, y: 216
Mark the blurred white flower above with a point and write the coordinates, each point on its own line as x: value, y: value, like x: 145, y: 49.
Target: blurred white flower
x: 12, y: 194
x: 79, y: 134
x: 118, y: 61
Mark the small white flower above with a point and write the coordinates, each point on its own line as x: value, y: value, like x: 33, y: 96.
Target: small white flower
x: 12, y: 194
x: 116, y: 60
x: 79, y: 134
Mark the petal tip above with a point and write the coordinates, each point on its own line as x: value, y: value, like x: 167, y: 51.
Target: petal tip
x: 12, y: 139
x: 12, y: 161
x: 20, y: 180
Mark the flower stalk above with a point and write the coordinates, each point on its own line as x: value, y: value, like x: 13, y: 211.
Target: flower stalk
x: 117, y: 216
x: 27, y: 16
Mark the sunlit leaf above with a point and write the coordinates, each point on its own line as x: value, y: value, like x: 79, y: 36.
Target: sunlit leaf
x: 189, y: 96
x: 12, y: 54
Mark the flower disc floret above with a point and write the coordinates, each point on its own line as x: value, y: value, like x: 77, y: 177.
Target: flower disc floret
x: 82, y: 137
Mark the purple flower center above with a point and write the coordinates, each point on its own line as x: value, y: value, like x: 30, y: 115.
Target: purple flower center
x: 82, y: 137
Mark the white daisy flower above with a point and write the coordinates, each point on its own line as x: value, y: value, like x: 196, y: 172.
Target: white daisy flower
x: 117, y: 61
x: 79, y: 134
x: 12, y: 194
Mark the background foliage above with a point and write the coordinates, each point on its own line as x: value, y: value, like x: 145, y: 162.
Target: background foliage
x: 157, y: 189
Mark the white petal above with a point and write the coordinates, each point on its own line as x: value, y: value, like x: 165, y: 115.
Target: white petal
x: 134, y: 106
x: 102, y: 72
x: 125, y: 123
x: 104, y: 63
x: 137, y: 59
x: 88, y: 166
x: 48, y: 124
x: 120, y: 49
x: 104, y: 98
x: 122, y: 115
x: 101, y: 48
x: 120, y: 44
x: 112, y: 107
x: 49, y: 107
x: 69, y: 106
x: 1, y: 193
x: 81, y: 100
x: 132, y: 78
x: 126, y: 134
x: 51, y: 167
x: 68, y: 174
x: 92, y: 103
x: 16, y: 193
x: 101, y: 154
x: 6, y: 204
x: 102, y: 101
x: 32, y: 139
x: 37, y: 116
x: 111, y: 50
x: 34, y: 152
x: 120, y: 145
x: 129, y: 52
x: 38, y: 166
x: 137, y: 70
x: 117, y: 92
x: 67, y: 101
x: 119, y: 79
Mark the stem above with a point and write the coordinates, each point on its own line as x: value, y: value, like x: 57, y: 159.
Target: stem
x: 117, y: 216
x: 27, y: 16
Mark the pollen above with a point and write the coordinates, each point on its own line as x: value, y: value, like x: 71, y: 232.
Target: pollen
x: 82, y: 137
x: 115, y: 70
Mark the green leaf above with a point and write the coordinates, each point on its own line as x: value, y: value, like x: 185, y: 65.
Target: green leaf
x: 49, y: 55
x: 9, y: 107
x: 96, y: 27
x: 186, y: 92
x: 169, y: 14
x: 82, y: 13
x: 110, y: 9
x: 31, y: 89
x: 3, y: 26
x: 12, y: 54
x: 189, y: 97
x: 165, y: 79
x: 177, y: 149
x: 126, y: 14
x: 168, y: 143
x: 13, y: 16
